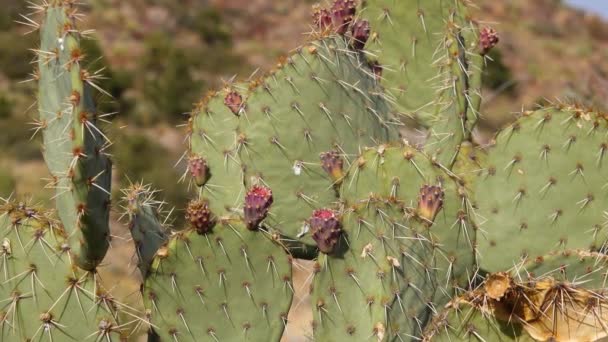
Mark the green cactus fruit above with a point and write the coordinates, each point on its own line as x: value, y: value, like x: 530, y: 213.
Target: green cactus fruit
x: 378, y: 281
x: 73, y: 144
x: 431, y: 192
x: 543, y: 187
x: 44, y: 296
x: 227, y: 283
x: 322, y: 98
x: 147, y: 231
x: 556, y: 297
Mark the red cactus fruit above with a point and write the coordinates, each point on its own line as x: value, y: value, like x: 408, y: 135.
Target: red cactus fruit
x: 360, y: 32
x: 321, y: 17
x: 333, y: 164
x: 430, y: 202
x: 326, y: 229
x: 488, y: 38
x: 199, y: 216
x: 199, y: 170
x: 342, y: 13
x: 234, y: 101
x: 257, y: 203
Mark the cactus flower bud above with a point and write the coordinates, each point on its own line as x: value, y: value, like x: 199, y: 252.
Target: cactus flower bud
x: 257, y: 203
x: 199, y: 170
x: 488, y: 38
x: 333, y: 164
x: 234, y: 101
x: 360, y: 33
x: 342, y: 13
x: 430, y: 202
x: 326, y: 229
x: 321, y: 18
x: 199, y: 216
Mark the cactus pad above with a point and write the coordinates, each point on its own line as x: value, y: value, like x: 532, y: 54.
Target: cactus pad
x: 321, y: 98
x: 427, y: 189
x: 543, y: 187
x: 226, y: 285
x: 44, y: 296
x: 73, y: 144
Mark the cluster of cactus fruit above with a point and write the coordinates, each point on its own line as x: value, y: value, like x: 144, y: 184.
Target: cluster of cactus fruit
x: 442, y: 240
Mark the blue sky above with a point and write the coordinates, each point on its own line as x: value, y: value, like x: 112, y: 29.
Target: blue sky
x: 598, y: 6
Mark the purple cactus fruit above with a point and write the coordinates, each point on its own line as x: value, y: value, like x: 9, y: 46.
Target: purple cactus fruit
x: 342, y: 13
x: 360, y: 33
x: 199, y: 216
x: 257, y: 203
x: 333, y: 164
x: 430, y: 202
x: 321, y: 17
x: 199, y: 170
x: 326, y: 229
x: 234, y: 101
x: 488, y: 38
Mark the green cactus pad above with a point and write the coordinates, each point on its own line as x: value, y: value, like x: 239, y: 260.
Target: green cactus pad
x: 147, y: 231
x: 409, y: 41
x: 43, y: 295
x: 428, y: 53
x: 231, y: 284
x: 462, y: 320
x: 214, y: 136
x: 73, y: 145
x: 543, y: 187
x: 399, y: 173
x: 321, y: 98
x: 380, y: 282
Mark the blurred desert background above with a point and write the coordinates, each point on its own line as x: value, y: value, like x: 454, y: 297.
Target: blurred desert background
x: 161, y: 56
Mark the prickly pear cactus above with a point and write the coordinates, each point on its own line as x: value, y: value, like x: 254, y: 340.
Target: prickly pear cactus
x: 73, y: 145
x: 405, y: 241
x: 321, y: 98
x: 543, y: 186
x: 431, y: 65
x: 44, y: 296
x: 222, y: 283
x: 441, y: 242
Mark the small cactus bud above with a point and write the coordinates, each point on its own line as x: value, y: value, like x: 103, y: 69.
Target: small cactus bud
x: 342, y: 13
x: 497, y: 285
x: 199, y: 170
x: 430, y: 202
x: 321, y: 18
x: 234, y: 101
x: 326, y: 229
x: 360, y: 34
x: 488, y: 38
x: 199, y: 216
x: 333, y: 164
x: 257, y: 203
